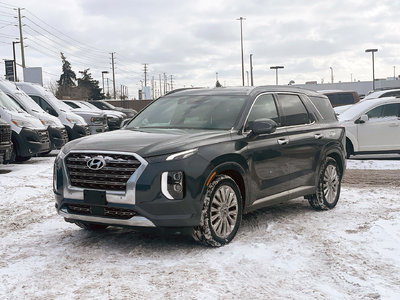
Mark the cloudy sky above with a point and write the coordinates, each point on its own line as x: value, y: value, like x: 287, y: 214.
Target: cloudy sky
x: 192, y: 40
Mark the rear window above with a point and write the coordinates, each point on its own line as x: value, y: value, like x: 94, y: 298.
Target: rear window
x: 341, y: 99
x: 324, y: 107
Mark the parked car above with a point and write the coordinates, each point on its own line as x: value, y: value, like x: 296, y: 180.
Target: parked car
x: 5, y: 142
x: 383, y: 93
x: 97, y: 120
x: 29, y: 136
x: 199, y: 159
x: 104, y: 105
x: 372, y: 126
x: 340, y: 97
x: 114, y: 118
x: 74, y: 124
x: 57, y: 132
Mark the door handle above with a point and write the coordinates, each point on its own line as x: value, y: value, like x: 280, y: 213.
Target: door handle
x: 318, y: 136
x: 283, y: 141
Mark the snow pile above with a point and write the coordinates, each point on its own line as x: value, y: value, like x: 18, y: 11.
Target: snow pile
x: 283, y: 252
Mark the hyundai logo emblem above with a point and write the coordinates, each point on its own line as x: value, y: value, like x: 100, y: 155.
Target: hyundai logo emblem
x: 96, y: 163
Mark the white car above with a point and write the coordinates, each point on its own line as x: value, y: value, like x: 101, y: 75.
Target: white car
x: 382, y: 94
x: 372, y: 126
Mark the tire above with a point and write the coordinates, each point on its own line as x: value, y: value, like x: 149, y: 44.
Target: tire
x: 90, y: 226
x: 221, y: 214
x: 328, y: 189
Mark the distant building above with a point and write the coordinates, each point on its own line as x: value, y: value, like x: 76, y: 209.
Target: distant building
x: 361, y: 87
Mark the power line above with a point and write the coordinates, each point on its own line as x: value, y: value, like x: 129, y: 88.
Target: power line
x: 69, y: 37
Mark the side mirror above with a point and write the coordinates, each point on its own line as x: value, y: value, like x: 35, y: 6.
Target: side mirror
x: 262, y: 126
x: 362, y: 119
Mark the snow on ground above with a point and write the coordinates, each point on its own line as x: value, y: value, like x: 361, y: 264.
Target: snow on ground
x: 283, y: 252
x: 374, y: 162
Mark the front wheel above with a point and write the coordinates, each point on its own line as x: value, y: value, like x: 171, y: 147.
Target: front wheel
x: 328, y: 189
x: 221, y: 214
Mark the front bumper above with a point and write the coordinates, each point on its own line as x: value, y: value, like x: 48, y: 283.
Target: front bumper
x: 31, y: 142
x: 58, y: 137
x: 98, y: 128
x: 77, y: 131
x: 142, y: 203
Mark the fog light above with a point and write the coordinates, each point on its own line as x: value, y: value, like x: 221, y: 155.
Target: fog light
x: 172, y: 184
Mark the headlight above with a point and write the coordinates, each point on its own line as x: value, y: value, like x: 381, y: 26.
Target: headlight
x: 172, y: 185
x: 75, y: 121
x: 23, y: 123
x: 50, y: 123
x: 183, y: 154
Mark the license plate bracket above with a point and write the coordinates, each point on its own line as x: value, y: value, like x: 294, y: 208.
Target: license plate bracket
x: 93, y: 197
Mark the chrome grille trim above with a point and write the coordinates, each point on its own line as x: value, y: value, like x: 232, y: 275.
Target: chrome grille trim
x: 5, y: 134
x: 119, y: 168
x: 126, y: 196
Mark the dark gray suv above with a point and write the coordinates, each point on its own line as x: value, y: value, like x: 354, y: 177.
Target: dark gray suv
x: 201, y: 158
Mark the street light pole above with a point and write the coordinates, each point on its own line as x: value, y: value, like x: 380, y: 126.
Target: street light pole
x: 241, y: 45
x: 331, y: 74
x: 276, y: 72
x: 251, y: 69
x: 102, y: 77
x: 373, y: 66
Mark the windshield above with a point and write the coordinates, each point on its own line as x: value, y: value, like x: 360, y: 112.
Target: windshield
x: 202, y: 112
x: 8, y: 103
x: 89, y: 105
x: 106, y: 105
x: 27, y: 101
x: 61, y: 105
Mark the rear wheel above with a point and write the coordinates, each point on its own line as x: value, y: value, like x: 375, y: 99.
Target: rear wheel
x: 221, y: 214
x: 328, y: 189
x: 349, y: 149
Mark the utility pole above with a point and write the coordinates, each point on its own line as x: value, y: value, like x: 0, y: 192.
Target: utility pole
x: 251, y: 69
x: 331, y: 74
x: 15, y: 62
x: 159, y: 75
x: 145, y: 74
x: 113, y: 72
x: 241, y: 46
x: 21, y: 39
x: 172, y: 86
x: 108, y: 89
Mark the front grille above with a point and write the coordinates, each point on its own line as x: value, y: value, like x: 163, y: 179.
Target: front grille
x: 113, y: 176
x: 110, y: 212
x: 43, y: 136
x: 64, y: 134
x: 5, y: 134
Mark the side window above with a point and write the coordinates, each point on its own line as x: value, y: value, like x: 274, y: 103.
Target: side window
x: 263, y: 108
x: 384, y: 111
x: 43, y: 104
x: 293, y: 109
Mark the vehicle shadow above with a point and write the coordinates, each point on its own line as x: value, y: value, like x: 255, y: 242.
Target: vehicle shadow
x: 127, y: 240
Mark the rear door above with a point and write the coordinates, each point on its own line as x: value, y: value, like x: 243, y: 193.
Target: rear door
x: 382, y: 130
x: 305, y: 139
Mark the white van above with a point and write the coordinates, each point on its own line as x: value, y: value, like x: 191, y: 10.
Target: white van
x: 75, y: 125
x: 29, y: 135
x: 57, y: 132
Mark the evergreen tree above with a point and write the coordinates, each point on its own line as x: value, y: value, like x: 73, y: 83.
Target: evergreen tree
x: 67, y: 79
x: 217, y: 84
x: 88, y: 87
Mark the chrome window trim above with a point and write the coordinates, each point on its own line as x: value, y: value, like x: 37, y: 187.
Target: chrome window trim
x: 121, y: 197
x: 279, y: 127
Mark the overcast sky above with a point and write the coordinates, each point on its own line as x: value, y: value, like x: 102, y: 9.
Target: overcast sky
x: 192, y: 40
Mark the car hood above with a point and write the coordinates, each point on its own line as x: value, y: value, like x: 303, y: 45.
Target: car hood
x: 149, y: 142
